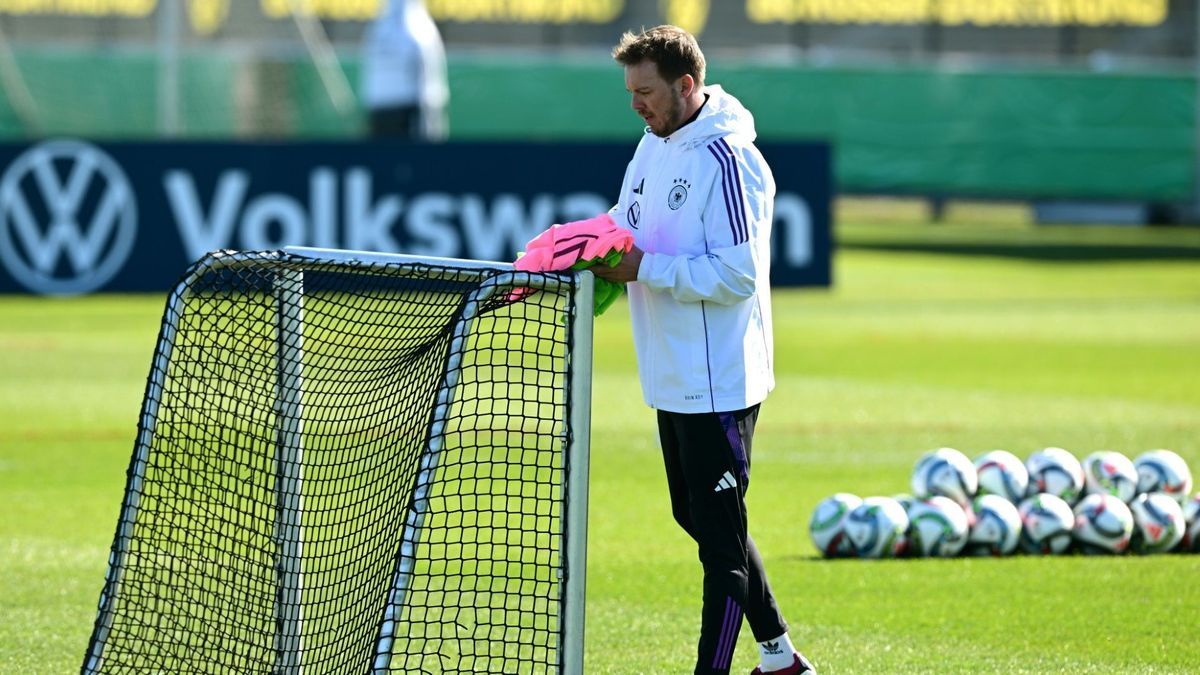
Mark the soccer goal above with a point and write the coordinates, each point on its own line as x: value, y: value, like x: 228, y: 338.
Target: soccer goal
x: 356, y: 462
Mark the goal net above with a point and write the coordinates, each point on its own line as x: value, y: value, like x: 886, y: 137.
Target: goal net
x: 354, y: 462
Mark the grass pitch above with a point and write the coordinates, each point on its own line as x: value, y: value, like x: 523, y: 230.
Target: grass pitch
x: 979, y: 333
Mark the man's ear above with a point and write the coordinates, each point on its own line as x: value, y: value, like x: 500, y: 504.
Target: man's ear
x: 687, y: 85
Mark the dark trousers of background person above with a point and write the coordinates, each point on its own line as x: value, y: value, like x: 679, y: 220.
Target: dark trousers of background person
x: 400, y: 121
x: 707, y: 458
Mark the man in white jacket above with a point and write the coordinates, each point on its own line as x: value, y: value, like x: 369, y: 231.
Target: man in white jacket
x: 404, y: 85
x: 698, y: 198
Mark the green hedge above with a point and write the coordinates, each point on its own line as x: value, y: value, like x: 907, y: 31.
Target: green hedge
x: 895, y: 129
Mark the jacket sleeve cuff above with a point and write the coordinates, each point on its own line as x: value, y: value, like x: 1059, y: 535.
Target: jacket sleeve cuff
x: 643, y: 273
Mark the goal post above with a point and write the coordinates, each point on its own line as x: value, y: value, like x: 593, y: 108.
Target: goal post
x: 352, y: 461
x: 288, y: 291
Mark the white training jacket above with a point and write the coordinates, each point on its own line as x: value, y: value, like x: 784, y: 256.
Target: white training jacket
x: 403, y: 58
x: 699, y: 203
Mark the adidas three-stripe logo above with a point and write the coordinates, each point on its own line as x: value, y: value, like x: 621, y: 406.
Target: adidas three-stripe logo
x: 725, y: 483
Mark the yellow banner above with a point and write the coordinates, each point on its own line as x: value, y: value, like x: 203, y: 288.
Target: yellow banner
x: 122, y: 8
x: 206, y: 14
x: 962, y: 12
x: 336, y: 10
x: 526, y: 11
x: 690, y: 15
x: 463, y: 11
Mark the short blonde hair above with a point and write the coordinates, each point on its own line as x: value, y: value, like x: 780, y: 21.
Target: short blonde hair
x: 671, y: 48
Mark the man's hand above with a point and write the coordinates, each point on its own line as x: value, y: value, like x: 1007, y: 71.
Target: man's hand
x: 625, y: 271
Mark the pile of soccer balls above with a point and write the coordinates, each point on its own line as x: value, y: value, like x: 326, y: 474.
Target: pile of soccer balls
x: 1051, y: 503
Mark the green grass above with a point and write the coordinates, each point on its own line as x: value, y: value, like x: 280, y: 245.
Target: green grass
x: 976, y: 334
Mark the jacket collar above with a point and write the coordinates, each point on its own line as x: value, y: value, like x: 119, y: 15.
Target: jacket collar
x: 721, y: 115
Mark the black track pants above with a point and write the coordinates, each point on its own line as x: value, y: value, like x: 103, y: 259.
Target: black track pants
x: 707, y: 457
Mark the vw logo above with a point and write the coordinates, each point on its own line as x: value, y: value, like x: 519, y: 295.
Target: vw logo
x: 68, y: 218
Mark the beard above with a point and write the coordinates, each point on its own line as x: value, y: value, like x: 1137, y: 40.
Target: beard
x: 671, y: 118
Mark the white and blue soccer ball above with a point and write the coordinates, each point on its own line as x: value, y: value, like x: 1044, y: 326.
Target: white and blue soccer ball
x: 1002, y: 473
x: 945, y: 472
x: 1158, y: 524
x: 876, y: 528
x: 1057, y: 472
x: 1103, y: 524
x: 1107, y: 472
x: 906, y: 500
x: 1046, y: 524
x: 937, y: 527
x: 997, y: 526
x: 1163, y: 471
x: 827, y: 525
x: 1191, y: 516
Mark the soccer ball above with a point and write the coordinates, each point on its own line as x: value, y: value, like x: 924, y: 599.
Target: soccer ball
x: 1191, y: 516
x: 946, y: 472
x: 876, y: 528
x: 1163, y: 471
x: 826, y: 527
x: 1046, y: 523
x: 1002, y: 473
x: 1158, y: 523
x: 997, y: 526
x: 1055, y: 471
x: 1110, y: 473
x: 1103, y: 524
x: 906, y: 500
x: 938, y: 527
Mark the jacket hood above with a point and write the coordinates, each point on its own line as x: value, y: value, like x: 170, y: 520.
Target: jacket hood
x: 721, y: 115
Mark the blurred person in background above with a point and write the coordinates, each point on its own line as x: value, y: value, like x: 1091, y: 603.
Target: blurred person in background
x: 404, y: 85
x: 699, y: 198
